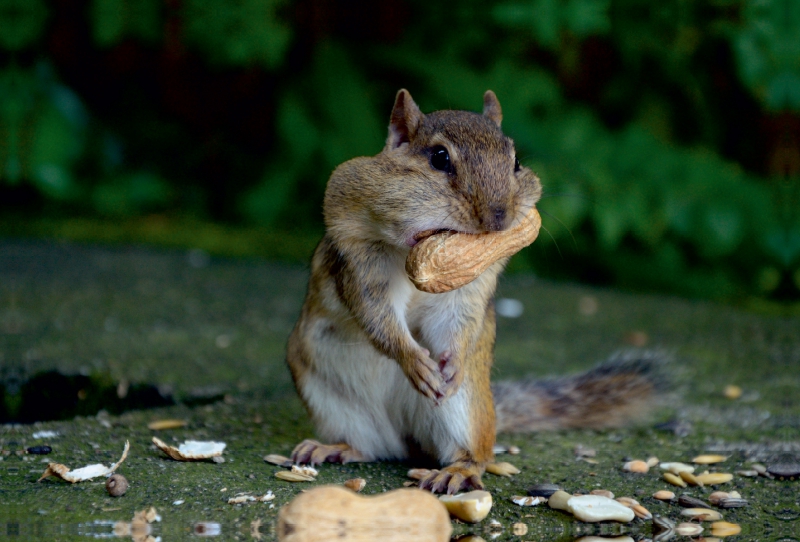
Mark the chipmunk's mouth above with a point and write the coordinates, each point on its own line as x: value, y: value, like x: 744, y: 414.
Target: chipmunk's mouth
x: 421, y: 236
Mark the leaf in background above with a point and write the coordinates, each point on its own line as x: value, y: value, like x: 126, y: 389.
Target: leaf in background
x: 131, y: 194
x: 264, y: 202
x: 296, y: 127
x: 721, y: 229
x: 543, y: 17
x: 587, y: 17
x: 238, y: 32
x: 54, y: 180
x: 21, y: 23
x: 113, y: 20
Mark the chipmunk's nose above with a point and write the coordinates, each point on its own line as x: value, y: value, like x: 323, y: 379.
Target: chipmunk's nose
x: 497, y: 218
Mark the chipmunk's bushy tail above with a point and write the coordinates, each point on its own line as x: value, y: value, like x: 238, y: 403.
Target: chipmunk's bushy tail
x: 614, y: 393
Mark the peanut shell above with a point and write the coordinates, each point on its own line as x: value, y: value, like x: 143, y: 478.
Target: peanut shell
x: 449, y: 260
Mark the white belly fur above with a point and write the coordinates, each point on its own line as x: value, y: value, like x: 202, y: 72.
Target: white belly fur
x: 361, y: 397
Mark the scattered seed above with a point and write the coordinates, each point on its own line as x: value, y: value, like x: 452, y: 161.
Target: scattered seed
x: 785, y: 467
x: 732, y: 391
x: 519, y: 529
x: 702, y: 514
x: 690, y: 479
x: 527, y: 501
x: 709, y: 459
x: 218, y: 459
x: 583, y: 451
x: 160, y: 425
x: 637, y: 466
x: 663, y: 523
x: 627, y: 501
x: 752, y: 473
x: 39, y: 450
x: 652, y: 461
x: 723, y: 528
x: 687, y: 501
x: 664, y: 495
x: 116, y: 485
x: 418, y: 474
x: 471, y: 507
x: 641, y: 512
x: 356, y: 484
x: 733, y: 502
x: 602, y: 493
x: 593, y: 508
x: 674, y: 480
x: 305, y: 471
x: 542, y: 490
x: 676, y: 468
x: 502, y: 469
x: 714, y: 478
x: 689, y: 529
x: 759, y: 468
x: 514, y: 450
x: 717, y: 496
x: 558, y: 500
x: 279, y: 460
x: 290, y: 476
x: 735, y: 494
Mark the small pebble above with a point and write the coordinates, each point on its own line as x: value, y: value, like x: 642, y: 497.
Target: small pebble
x: 582, y: 451
x: 542, y: 490
x: 594, y: 508
x: 39, y: 450
x: 218, y: 459
x: 116, y: 485
x: 664, y: 495
x: 514, y: 450
x: 702, y: 514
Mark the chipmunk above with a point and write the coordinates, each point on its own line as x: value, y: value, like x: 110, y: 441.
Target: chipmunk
x: 389, y: 372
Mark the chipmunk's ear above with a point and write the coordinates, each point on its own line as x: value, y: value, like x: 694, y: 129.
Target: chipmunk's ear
x: 404, y: 121
x: 491, y: 107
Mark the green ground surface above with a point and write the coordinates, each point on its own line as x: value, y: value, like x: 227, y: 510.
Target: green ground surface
x: 199, y: 326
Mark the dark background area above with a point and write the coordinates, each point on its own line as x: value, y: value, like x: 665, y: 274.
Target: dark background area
x: 667, y: 135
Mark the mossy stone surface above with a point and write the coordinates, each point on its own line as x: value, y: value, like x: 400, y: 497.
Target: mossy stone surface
x: 199, y: 326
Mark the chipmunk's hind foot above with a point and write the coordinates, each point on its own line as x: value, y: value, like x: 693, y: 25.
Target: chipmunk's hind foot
x: 453, y: 478
x: 311, y: 451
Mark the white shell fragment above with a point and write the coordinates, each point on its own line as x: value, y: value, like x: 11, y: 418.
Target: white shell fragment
x: 246, y: 497
x: 84, y: 473
x: 471, y: 507
x: 676, y: 468
x: 191, y: 450
x: 527, y: 501
x: 45, y: 434
x: 594, y: 508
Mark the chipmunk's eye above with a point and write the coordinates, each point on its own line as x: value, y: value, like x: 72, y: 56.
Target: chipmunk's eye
x: 440, y: 159
x: 516, y: 164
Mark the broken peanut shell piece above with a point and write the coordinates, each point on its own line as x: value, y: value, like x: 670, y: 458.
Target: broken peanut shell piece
x: 449, y: 260
x: 84, y: 473
x: 191, y: 450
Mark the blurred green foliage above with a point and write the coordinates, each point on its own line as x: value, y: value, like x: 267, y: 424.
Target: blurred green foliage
x: 667, y: 135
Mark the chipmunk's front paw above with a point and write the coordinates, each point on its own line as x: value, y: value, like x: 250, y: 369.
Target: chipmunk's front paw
x: 437, y: 380
x: 311, y: 451
x: 452, y: 479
